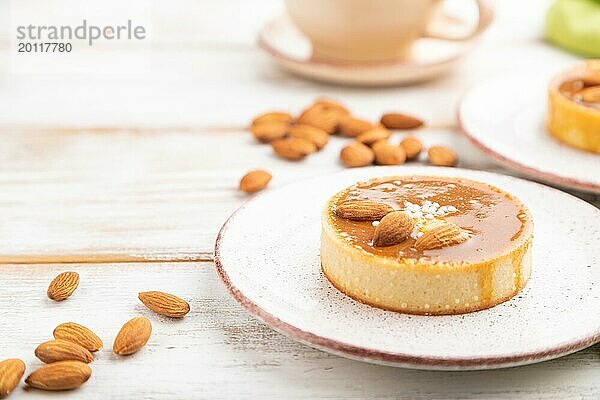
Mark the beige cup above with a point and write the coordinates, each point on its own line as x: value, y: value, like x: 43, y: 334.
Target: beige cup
x: 375, y: 30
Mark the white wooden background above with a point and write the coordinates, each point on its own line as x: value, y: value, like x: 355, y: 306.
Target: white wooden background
x: 125, y: 169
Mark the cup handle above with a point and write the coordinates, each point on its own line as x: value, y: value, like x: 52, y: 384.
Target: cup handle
x: 486, y: 15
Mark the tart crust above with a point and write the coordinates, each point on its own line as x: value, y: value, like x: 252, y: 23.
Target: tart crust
x: 417, y: 286
x: 570, y: 121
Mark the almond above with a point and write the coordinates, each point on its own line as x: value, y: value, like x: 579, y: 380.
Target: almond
x: 318, y: 136
x: 255, y: 181
x: 331, y: 105
x: 373, y: 135
x: 61, y: 350
x: 78, y: 334
x: 362, y: 210
x: 63, y: 286
x: 61, y: 375
x: 293, y: 149
x: 394, y: 228
x: 269, y: 131
x: 357, y: 155
x: 446, y: 234
x: 352, y: 127
x: 590, y: 94
x: 165, y: 304
x: 133, y: 336
x: 322, y: 117
x: 380, y: 142
x: 273, y: 116
x: 387, y: 154
x: 400, y: 121
x: 442, y: 156
x: 412, y: 147
x: 11, y: 372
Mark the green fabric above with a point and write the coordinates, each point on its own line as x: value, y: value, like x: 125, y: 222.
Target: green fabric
x: 575, y: 26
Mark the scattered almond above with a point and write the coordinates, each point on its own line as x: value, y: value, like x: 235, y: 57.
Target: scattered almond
x: 269, y: 131
x: 165, y: 304
x: 322, y: 117
x: 380, y: 142
x: 61, y: 375
x: 412, y: 147
x: 331, y: 105
x: 63, y: 286
x: 313, y: 134
x: 362, y: 210
x: 590, y: 94
x: 357, y: 155
x: 442, y: 156
x: 78, y: 334
x: 273, y: 116
x: 293, y: 148
x: 255, y: 181
x: 133, y: 336
x: 447, y: 234
x: 373, y: 135
x: 61, y: 350
x: 387, y: 154
x: 11, y: 372
x: 400, y: 121
x: 352, y: 127
x: 394, y: 228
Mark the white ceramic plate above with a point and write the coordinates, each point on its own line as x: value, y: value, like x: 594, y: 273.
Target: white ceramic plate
x: 267, y: 254
x: 506, y: 119
x: 429, y: 59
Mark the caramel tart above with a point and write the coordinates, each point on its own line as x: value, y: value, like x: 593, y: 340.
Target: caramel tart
x: 444, y: 246
x: 574, y: 107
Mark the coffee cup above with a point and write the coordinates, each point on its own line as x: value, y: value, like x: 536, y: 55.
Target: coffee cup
x: 371, y: 31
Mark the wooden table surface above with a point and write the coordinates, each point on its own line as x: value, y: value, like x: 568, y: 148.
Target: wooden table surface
x: 125, y: 170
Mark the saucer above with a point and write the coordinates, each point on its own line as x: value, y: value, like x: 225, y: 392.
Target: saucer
x: 506, y: 119
x: 429, y: 59
x: 267, y: 255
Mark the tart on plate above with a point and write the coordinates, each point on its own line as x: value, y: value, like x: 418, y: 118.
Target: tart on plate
x: 574, y: 107
x: 426, y: 244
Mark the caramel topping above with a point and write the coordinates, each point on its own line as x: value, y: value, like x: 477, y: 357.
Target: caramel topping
x: 493, y: 218
x: 584, y: 91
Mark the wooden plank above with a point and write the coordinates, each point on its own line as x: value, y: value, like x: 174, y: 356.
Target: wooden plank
x: 219, y: 351
x: 92, y: 196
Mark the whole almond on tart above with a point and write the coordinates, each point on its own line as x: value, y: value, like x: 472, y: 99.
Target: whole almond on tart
x: 400, y: 121
x: 11, y: 372
x: 357, y: 154
x: 446, y: 234
x: 63, y: 286
x: 293, y: 149
x: 273, y: 116
x: 442, y: 156
x: 61, y: 375
x: 362, y: 210
x: 313, y: 134
x: 133, y: 336
x: 269, y: 131
x: 255, y: 181
x: 165, y: 304
x: 412, y: 147
x: 352, y: 127
x: 387, y: 154
x: 78, y: 334
x: 590, y: 94
x: 61, y: 350
x: 374, y: 135
x: 394, y: 228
